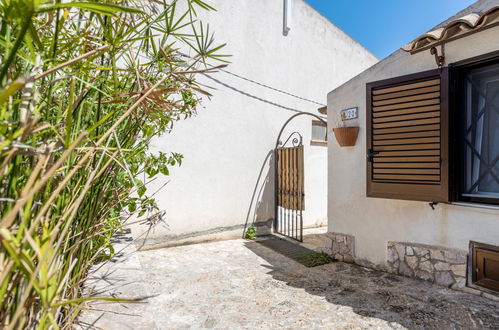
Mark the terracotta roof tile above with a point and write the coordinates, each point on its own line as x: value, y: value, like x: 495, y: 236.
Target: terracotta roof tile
x: 456, y: 28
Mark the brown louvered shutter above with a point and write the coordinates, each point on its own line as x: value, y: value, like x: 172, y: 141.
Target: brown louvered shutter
x: 407, y: 137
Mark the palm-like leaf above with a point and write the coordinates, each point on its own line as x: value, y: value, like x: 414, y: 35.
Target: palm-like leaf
x: 84, y: 86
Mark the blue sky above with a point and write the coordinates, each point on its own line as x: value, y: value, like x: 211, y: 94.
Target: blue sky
x: 383, y: 26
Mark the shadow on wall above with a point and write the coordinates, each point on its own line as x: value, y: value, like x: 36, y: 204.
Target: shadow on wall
x: 409, y: 302
x: 261, y: 208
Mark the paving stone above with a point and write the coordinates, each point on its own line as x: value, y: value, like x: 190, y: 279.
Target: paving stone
x: 328, y: 242
x: 412, y: 262
x: 344, y: 249
x: 392, y: 254
x: 460, y: 282
x: 405, y: 270
x: 348, y: 258
x: 420, y: 251
x: 442, y: 266
x: 426, y: 256
x: 458, y: 270
x: 492, y: 297
x: 396, y: 265
x: 444, y: 278
x: 424, y: 275
x: 400, y: 250
x: 241, y: 284
x: 426, y: 266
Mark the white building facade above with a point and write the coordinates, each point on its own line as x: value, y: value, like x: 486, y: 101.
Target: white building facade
x: 285, y: 58
x: 380, y: 216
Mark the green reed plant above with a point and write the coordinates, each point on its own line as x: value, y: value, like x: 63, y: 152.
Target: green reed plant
x: 84, y: 86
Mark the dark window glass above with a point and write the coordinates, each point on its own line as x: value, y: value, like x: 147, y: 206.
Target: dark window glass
x: 480, y: 135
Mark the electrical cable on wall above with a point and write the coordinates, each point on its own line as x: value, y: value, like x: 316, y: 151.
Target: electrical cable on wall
x: 270, y: 87
x: 262, y: 84
x: 251, y: 95
x: 254, y: 96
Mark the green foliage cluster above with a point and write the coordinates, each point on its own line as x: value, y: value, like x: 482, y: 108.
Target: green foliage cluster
x: 314, y: 258
x: 84, y: 86
x: 250, y: 232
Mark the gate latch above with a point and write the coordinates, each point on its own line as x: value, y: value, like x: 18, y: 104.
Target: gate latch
x: 370, y: 154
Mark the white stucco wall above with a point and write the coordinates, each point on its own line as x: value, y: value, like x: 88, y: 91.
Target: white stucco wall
x: 375, y: 221
x: 225, y: 180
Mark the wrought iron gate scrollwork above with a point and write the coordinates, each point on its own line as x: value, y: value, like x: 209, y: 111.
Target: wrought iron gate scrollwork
x: 295, y: 142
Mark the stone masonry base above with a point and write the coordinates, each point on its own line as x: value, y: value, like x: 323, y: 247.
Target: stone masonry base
x: 440, y: 265
x: 340, y: 246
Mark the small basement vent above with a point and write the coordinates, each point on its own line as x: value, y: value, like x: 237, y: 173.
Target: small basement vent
x: 407, y: 137
x: 485, y: 262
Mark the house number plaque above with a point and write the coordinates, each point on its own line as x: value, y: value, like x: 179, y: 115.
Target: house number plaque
x: 351, y: 113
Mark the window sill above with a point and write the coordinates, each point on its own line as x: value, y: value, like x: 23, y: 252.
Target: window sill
x: 477, y: 205
x: 318, y: 143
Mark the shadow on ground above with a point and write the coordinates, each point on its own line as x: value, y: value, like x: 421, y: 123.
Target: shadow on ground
x: 412, y: 303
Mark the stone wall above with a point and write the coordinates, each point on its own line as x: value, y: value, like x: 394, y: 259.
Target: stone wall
x: 440, y: 265
x: 340, y: 246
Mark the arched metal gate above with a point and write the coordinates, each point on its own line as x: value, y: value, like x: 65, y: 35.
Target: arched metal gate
x: 290, y: 183
x: 290, y: 196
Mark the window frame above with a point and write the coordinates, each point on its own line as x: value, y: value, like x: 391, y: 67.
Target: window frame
x: 315, y: 142
x: 452, y: 150
x: 457, y: 151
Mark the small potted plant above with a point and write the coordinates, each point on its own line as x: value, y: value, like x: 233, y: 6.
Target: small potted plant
x: 346, y: 135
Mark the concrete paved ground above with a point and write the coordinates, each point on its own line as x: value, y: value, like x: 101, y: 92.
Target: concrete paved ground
x: 241, y: 284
